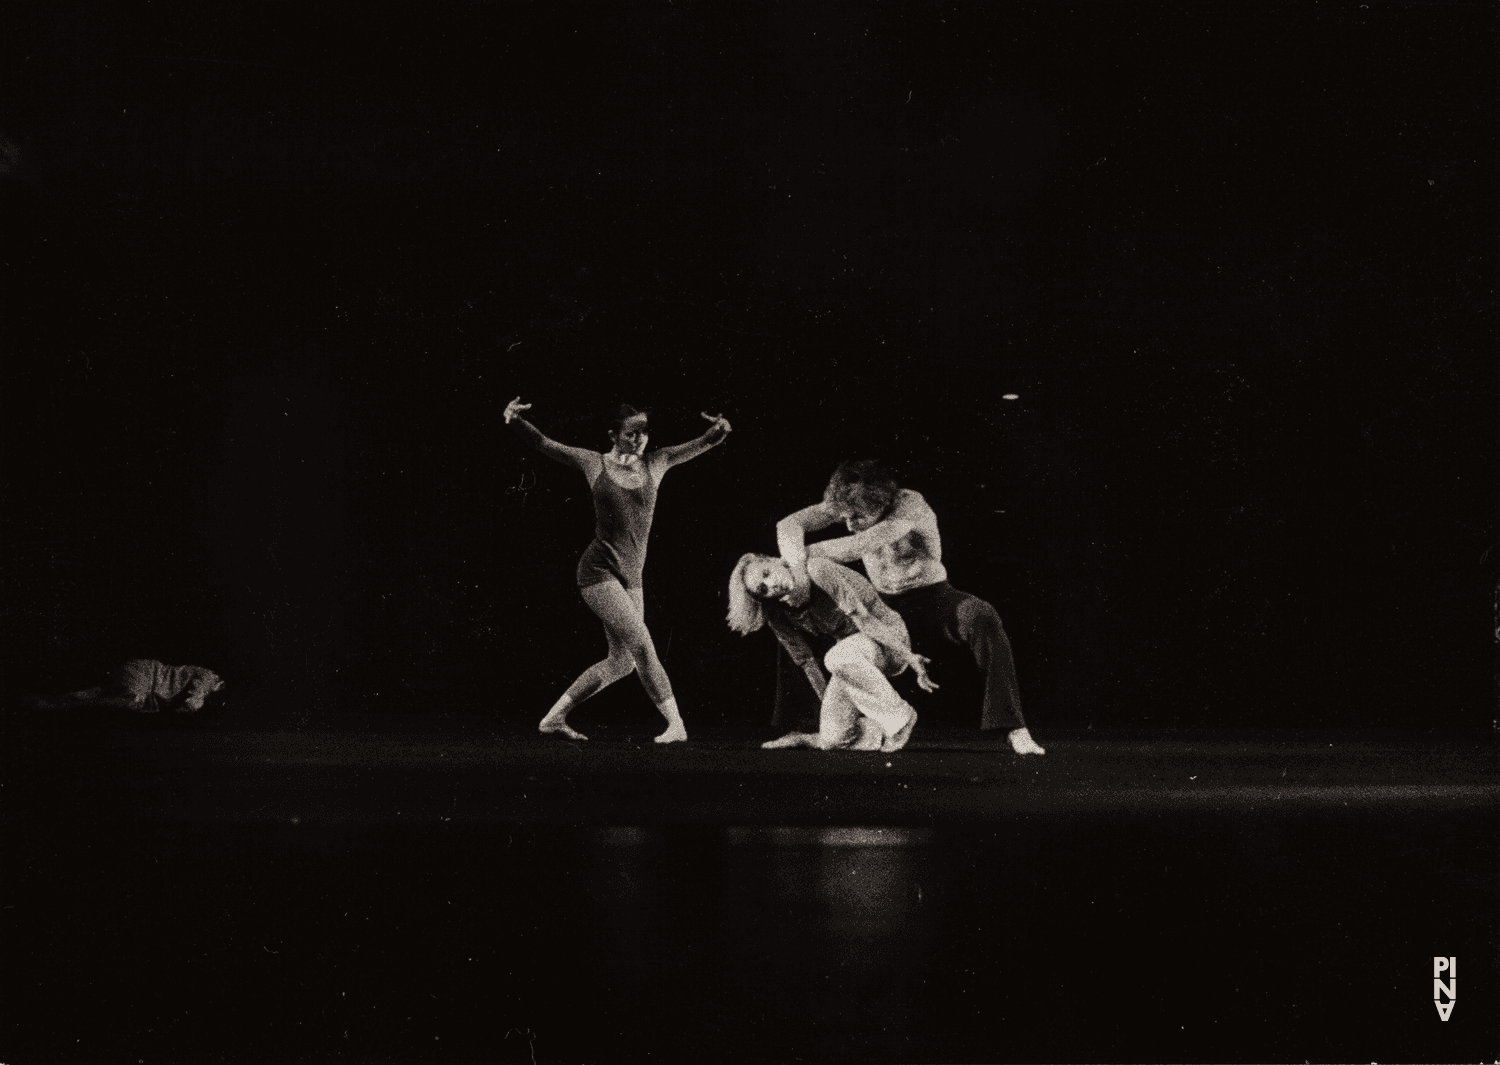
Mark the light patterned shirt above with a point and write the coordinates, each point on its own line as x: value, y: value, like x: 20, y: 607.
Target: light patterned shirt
x: 839, y: 594
x: 901, y: 551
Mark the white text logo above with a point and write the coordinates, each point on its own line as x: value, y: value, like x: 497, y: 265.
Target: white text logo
x: 1448, y: 988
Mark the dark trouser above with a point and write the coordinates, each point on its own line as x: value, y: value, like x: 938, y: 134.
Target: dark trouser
x: 939, y: 614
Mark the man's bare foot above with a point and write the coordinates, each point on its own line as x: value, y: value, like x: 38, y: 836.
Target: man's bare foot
x: 558, y: 724
x: 1022, y: 743
x: 675, y: 733
x: 791, y: 739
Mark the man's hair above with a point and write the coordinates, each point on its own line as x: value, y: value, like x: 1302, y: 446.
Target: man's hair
x: 746, y: 613
x: 862, y: 484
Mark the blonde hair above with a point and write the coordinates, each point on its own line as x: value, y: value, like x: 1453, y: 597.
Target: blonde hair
x: 746, y: 613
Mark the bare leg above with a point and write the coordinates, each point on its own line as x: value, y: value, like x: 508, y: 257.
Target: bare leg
x: 589, y: 683
x: 654, y: 677
x: 623, y: 612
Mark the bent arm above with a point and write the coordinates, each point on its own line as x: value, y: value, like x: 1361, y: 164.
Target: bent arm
x: 857, y: 597
x: 663, y: 459
x: 579, y: 458
x: 855, y: 547
x: 792, y: 530
x: 791, y: 541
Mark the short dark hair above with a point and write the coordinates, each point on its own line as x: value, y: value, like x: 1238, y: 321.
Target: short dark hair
x: 862, y: 483
x: 622, y: 414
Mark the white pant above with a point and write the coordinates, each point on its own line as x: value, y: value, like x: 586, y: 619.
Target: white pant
x: 861, y: 711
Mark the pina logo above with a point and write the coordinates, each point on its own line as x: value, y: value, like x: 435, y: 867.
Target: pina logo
x: 1450, y: 988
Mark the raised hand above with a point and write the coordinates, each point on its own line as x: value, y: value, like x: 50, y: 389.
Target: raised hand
x: 514, y: 408
x: 720, y: 423
x: 919, y: 667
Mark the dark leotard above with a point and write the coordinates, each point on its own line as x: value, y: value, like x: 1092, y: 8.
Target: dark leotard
x: 622, y: 521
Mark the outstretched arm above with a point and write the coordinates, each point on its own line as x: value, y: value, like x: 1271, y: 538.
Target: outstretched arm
x: 577, y: 457
x: 878, y: 627
x: 663, y: 459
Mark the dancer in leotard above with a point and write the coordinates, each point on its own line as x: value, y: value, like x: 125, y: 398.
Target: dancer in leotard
x: 624, y: 481
x: 860, y: 710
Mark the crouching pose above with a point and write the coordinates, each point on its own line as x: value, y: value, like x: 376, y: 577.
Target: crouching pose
x: 860, y: 710
x: 145, y: 686
x: 895, y: 534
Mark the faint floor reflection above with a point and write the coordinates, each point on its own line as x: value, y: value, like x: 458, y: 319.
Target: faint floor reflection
x: 817, y: 935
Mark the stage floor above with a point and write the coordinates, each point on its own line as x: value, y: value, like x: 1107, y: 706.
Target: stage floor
x: 374, y: 768
x: 392, y: 889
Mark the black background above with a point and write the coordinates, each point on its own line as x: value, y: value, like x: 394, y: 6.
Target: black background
x: 272, y: 272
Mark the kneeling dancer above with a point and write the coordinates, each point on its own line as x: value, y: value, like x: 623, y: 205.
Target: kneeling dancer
x: 860, y: 710
x: 895, y: 534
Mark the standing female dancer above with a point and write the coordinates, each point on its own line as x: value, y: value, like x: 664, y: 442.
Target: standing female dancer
x: 624, y: 482
x: 860, y: 711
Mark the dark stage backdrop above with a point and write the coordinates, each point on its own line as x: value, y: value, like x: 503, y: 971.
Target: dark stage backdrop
x: 272, y: 272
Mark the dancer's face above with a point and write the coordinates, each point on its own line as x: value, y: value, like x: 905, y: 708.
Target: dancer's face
x: 630, y: 438
x: 768, y: 580
x: 858, y: 517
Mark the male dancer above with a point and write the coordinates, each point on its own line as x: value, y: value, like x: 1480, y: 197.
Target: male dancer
x: 895, y: 534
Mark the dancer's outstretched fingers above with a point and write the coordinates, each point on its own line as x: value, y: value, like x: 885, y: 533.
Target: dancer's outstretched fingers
x: 919, y: 664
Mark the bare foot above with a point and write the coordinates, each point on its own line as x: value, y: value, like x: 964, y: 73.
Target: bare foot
x: 898, y: 740
x: 1022, y: 743
x: 675, y: 733
x: 791, y: 739
x: 559, y: 725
